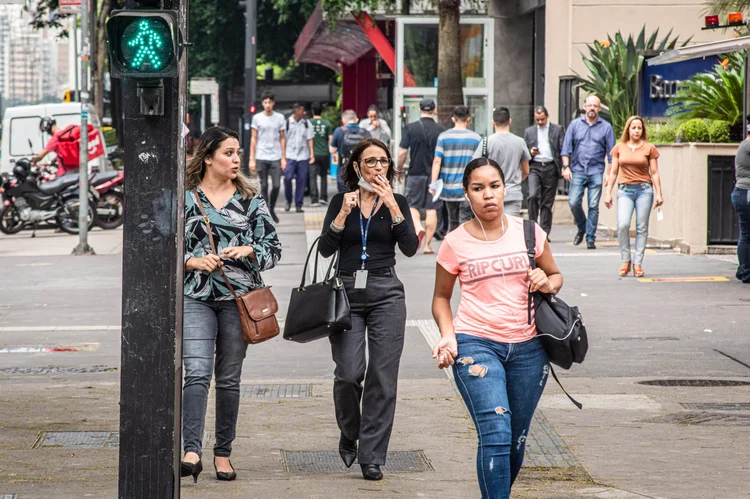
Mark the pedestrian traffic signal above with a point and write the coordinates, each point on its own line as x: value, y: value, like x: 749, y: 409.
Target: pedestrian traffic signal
x: 143, y: 44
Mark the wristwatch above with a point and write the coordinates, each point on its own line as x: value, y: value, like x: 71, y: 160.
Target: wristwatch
x: 397, y: 220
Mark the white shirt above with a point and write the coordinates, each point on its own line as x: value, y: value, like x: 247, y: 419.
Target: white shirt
x: 268, y: 145
x: 545, y: 150
x: 298, y: 134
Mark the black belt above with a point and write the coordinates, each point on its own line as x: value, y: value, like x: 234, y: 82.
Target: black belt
x: 386, y: 272
x: 545, y: 163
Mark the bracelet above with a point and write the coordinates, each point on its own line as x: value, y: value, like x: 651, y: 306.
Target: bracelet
x: 336, y: 228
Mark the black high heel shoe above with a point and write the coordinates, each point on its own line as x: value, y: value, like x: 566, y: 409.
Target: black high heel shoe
x: 347, y: 450
x: 188, y: 469
x: 224, y: 475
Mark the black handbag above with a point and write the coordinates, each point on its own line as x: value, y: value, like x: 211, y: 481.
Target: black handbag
x: 318, y: 309
x: 559, y: 326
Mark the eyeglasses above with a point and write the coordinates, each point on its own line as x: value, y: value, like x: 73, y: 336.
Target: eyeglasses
x: 371, y: 162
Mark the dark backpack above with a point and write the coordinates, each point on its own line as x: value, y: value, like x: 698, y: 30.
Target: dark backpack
x: 351, y: 139
x: 304, y: 120
x: 559, y: 326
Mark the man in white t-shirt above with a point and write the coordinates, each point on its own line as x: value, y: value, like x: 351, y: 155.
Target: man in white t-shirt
x: 268, y: 150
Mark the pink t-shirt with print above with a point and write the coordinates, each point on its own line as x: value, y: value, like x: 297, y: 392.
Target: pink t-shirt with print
x: 494, y: 282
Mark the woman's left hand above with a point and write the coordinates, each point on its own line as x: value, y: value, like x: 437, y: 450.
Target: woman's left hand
x: 237, y: 252
x: 538, y: 280
x: 382, y: 188
x: 658, y: 201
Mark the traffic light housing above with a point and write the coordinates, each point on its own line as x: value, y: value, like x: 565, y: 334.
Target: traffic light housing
x: 143, y: 44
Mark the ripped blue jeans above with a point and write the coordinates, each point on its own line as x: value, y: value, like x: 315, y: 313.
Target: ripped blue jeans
x: 501, y: 384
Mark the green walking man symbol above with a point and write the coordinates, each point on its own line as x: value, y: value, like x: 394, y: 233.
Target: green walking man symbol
x: 147, y: 41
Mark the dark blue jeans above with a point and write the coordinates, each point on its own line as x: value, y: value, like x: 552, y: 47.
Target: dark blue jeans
x: 211, y: 327
x: 297, y: 171
x: 501, y: 384
x: 580, y: 182
x: 741, y: 202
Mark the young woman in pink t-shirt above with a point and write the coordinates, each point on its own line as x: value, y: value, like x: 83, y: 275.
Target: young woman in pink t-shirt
x: 499, y: 365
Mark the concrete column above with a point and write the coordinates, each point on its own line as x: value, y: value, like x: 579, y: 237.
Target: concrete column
x: 513, y: 64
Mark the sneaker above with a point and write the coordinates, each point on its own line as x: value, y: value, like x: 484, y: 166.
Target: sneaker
x: 287, y: 206
x: 315, y: 203
x: 300, y: 210
x: 590, y: 245
x: 323, y: 202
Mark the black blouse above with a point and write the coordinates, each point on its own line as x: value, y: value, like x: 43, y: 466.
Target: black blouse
x: 381, y: 239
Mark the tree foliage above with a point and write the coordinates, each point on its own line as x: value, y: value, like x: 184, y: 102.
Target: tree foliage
x: 614, y: 65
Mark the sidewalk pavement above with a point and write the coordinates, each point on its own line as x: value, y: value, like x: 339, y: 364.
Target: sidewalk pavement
x: 632, y: 440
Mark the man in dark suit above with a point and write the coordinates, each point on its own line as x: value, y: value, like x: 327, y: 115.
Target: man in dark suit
x: 545, y: 141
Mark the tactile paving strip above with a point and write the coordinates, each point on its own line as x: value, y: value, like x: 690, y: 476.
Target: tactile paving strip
x: 700, y: 383
x: 708, y: 406
x: 294, y: 391
x: 58, y: 370
x: 703, y: 418
x: 91, y: 440
x: 330, y: 461
x: 545, y: 448
x: 78, y: 439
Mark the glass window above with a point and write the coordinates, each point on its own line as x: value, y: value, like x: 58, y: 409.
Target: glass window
x: 22, y: 131
x: 477, y: 105
x: 421, y: 55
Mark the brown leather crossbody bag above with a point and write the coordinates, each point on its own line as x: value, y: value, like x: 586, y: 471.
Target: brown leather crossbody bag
x: 257, y: 308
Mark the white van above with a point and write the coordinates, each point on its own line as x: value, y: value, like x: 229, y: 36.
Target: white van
x: 21, y: 125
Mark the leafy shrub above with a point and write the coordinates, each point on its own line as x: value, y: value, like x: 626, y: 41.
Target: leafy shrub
x: 695, y: 130
x: 719, y: 131
x: 332, y: 114
x: 715, y: 95
x: 662, y: 133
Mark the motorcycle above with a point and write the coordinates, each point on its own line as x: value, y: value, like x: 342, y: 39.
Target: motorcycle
x: 27, y: 202
x: 110, y: 209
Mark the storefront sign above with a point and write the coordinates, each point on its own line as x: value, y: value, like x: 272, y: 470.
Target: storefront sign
x: 661, y: 83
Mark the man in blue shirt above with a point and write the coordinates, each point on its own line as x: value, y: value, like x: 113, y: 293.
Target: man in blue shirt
x: 345, y: 139
x: 587, y: 142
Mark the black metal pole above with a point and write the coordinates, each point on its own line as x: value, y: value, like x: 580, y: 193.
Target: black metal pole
x: 251, y: 21
x: 152, y: 284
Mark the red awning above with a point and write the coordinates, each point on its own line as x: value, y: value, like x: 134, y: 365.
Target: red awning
x: 320, y: 44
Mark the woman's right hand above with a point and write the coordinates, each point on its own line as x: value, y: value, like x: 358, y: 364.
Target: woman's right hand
x: 445, y: 351
x: 351, y: 199
x: 608, y: 199
x: 207, y: 263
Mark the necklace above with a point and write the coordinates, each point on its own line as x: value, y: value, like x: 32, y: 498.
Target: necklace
x: 633, y: 148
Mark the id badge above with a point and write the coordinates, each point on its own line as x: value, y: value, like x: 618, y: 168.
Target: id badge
x: 360, y: 279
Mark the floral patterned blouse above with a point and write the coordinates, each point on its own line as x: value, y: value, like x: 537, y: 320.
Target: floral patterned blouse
x: 241, y: 222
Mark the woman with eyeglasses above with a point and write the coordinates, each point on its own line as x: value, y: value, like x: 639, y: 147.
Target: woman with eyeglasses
x: 365, y: 225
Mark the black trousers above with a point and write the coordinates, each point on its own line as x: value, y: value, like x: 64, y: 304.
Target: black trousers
x: 542, y: 189
x: 378, y: 323
x: 319, y: 169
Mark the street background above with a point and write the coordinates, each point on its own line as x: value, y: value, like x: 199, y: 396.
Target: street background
x: 60, y: 352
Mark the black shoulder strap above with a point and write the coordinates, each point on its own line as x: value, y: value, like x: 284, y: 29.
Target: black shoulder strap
x: 529, y: 232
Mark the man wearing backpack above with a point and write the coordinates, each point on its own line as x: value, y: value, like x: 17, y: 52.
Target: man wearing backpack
x: 345, y: 138
x: 65, y: 163
x: 419, y: 141
x: 299, y: 154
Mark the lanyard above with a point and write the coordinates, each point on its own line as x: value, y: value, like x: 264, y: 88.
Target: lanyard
x: 364, y: 229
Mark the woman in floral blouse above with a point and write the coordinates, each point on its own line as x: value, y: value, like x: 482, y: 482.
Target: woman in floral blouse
x: 246, y: 244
